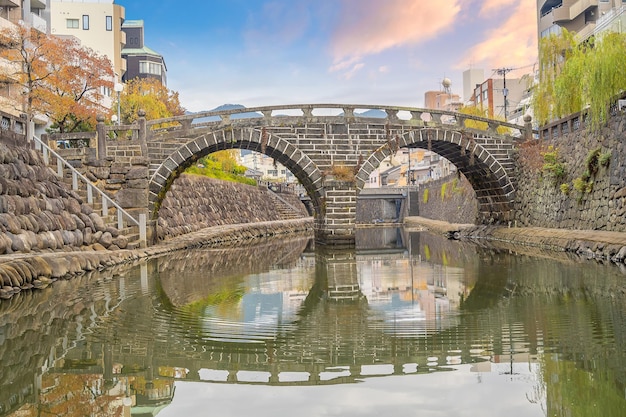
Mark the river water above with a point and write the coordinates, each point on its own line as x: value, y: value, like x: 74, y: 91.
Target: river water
x: 408, y: 324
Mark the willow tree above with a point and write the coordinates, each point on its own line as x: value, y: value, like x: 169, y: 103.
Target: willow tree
x: 606, y: 75
x: 554, y: 50
x: 572, y: 77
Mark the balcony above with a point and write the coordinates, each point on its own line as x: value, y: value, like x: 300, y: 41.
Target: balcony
x: 39, y: 23
x: 571, y: 12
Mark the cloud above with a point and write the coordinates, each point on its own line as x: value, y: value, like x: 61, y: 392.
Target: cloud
x: 367, y: 27
x: 490, y: 6
x: 512, y: 44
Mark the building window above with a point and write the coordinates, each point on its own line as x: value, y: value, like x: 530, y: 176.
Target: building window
x: 109, y: 23
x: 147, y: 67
x: 72, y: 23
x: 85, y: 22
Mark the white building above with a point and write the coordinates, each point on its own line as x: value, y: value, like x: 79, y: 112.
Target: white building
x: 270, y: 170
x: 97, y: 24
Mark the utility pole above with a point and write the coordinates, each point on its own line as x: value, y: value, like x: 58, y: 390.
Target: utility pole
x: 505, y: 91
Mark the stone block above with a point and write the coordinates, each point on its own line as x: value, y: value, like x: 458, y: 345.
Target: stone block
x: 132, y: 198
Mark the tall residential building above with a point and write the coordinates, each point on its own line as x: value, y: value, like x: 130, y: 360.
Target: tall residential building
x: 141, y: 61
x: 97, y: 24
x: 585, y: 17
x: 34, y: 13
x: 471, y: 79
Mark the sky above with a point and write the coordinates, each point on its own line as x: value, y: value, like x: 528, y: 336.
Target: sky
x: 377, y: 52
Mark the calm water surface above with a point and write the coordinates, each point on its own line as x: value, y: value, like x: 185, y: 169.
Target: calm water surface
x: 409, y: 324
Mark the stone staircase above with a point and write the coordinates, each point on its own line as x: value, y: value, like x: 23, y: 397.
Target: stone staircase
x: 116, y: 219
x: 285, y: 210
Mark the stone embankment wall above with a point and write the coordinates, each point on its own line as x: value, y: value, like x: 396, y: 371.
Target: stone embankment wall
x: 450, y: 199
x: 545, y: 200
x: 38, y: 213
x: 194, y: 202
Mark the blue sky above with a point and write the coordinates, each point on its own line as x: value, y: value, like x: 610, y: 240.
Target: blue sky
x: 387, y: 52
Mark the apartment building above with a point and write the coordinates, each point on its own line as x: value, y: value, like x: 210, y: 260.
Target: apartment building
x: 97, y: 24
x: 141, y: 61
x: 34, y: 13
x: 490, y: 96
x: 585, y: 17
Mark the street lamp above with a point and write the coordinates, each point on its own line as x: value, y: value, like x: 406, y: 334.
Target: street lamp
x: 118, y: 87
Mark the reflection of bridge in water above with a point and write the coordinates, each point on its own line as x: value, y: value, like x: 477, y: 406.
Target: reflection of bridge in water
x: 149, y: 324
x: 300, y: 333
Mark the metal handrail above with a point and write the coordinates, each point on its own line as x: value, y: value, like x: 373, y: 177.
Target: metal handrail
x: 106, y: 200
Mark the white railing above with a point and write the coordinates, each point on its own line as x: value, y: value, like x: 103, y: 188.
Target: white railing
x: 105, y: 199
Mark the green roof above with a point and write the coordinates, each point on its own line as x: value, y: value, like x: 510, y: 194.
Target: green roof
x: 140, y: 51
x: 132, y: 23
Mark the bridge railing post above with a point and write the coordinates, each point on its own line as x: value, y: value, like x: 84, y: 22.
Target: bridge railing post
x: 528, y: 127
x: 101, y: 138
x: 143, y: 132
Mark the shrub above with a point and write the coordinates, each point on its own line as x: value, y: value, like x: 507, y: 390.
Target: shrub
x: 604, y: 159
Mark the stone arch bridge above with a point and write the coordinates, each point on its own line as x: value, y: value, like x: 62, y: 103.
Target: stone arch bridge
x: 331, y: 149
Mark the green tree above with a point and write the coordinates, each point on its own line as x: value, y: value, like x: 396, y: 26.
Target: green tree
x: 573, y: 76
x: 553, y: 52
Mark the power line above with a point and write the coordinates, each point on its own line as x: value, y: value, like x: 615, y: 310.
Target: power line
x: 505, y: 91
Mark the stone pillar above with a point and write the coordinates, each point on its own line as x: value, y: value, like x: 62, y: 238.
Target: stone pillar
x: 336, y: 225
x: 143, y: 132
x: 101, y: 138
x: 339, y: 270
x: 528, y: 127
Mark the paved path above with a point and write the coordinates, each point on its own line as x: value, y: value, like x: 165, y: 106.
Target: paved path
x: 592, y: 243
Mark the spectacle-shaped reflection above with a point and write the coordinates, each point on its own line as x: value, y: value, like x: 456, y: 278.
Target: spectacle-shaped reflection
x: 282, y: 313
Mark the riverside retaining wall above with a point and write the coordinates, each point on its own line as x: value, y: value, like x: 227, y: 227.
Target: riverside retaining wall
x: 544, y: 200
x: 38, y: 213
x: 195, y: 202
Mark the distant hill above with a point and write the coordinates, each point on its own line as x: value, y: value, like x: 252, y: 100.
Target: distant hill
x: 374, y: 113
x: 247, y: 115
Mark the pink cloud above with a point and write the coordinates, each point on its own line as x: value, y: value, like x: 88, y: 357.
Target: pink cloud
x: 372, y: 26
x: 512, y: 44
x: 493, y: 5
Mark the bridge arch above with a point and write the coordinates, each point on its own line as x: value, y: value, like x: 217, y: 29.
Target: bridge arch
x: 251, y: 138
x: 312, y: 144
x: 490, y: 179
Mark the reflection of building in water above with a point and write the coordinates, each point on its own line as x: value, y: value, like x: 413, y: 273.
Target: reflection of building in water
x: 409, y: 288
x: 269, y: 299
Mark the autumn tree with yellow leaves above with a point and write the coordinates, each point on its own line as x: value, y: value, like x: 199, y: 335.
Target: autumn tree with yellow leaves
x: 150, y: 95
x: 55, y: 77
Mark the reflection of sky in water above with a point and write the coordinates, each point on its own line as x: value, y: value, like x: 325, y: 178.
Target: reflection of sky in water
x: 406, y: 297
x: 462, y: 392
x: 269, y: 306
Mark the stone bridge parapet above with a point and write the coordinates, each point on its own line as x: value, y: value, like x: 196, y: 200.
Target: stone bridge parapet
x: 330, y: 148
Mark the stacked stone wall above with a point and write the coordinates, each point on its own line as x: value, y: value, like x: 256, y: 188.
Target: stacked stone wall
x: 544, y: 201
x: 450, y: 199
x: 194, y: 202
x: 38, y: 213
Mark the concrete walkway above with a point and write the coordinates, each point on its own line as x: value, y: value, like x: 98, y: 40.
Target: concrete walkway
x: 593, y: 243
